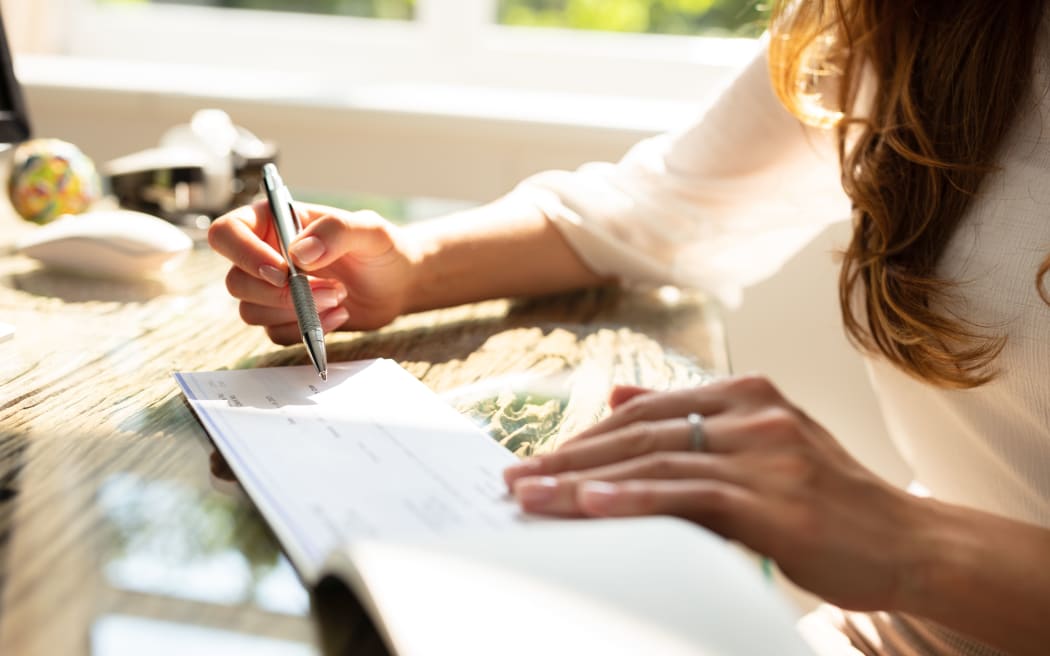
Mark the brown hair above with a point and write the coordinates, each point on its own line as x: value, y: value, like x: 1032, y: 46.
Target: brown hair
x: 949, y: 79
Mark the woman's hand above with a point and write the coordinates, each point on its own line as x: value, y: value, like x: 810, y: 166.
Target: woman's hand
x: 768, y: 477
x: 361, y: 267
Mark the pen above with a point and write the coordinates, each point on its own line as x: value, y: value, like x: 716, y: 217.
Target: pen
x: 286, y: 223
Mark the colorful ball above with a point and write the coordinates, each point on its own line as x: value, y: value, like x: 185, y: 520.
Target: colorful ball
x: 51, y: 177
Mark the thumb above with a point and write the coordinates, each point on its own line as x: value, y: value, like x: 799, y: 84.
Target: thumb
x: 623, y: 393
x: 334, y: 234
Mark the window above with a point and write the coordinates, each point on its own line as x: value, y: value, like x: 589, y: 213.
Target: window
x: 687, y: 17
x: 560, y: 46
x: 430, y: 98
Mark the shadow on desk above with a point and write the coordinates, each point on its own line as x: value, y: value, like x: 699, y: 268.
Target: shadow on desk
x: 447, y: 337
x: 70, y: 288
x: 455, y: 334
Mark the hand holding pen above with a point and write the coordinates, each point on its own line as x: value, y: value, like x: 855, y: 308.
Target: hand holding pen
x: 359, y: 268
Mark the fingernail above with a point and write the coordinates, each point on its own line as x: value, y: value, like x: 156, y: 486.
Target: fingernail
x: 307, y: 250
x: 524, y: 468
x: 334, y: 319
x: 597, y: 495
x: 273, y: 275
x: 326, y: 298
x: 536, y: 492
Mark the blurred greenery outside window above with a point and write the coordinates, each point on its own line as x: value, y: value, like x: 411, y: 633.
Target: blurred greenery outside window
x: 687, y: 17
x: 707, y: 17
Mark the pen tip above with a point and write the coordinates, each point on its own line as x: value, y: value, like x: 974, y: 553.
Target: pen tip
x: 324, y: 375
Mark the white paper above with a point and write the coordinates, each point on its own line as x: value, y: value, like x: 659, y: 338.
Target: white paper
x: 370, y: 454
x: 7, y: 331
x: 373, y: 475
x: 615, y: 587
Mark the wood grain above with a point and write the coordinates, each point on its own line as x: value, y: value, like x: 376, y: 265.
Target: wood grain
x: 108, y: 508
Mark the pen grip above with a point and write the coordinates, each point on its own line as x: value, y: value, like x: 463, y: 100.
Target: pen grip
x: 303, y: 300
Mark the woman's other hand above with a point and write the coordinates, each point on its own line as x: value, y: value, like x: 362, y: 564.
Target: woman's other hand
x: 360, y: 267
x: 768, y: 476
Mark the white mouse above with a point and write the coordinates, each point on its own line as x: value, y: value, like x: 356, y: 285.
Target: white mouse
x: 114, y: 243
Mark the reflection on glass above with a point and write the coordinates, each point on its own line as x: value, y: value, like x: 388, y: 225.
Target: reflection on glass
x: 173, y: 540
x: 534, y: 411
x: 123, y: 635
x: 280, y: 591
x: 523, y: 412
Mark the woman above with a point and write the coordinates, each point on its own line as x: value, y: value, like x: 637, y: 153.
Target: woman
x: 925, y: 118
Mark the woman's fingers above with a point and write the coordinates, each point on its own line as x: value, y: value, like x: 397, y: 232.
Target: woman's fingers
x: 725, y: 433
x: 620, y: 444
x: 330, y: 236
x: 264, y: 315
x: 633, y: 404
x: 356, y: 260
x: 289, y: 333
x: 219, y: 468
x: 623, y: 393
x: 559, y: 495
x: 702, y: 488
x: 657, y: 405
x: 249, y: 289
x: 244, y: 236
x: 716, y: 504
x: 735, y: 512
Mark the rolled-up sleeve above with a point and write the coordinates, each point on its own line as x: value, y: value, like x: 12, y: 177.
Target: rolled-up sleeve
x: 718, y: 205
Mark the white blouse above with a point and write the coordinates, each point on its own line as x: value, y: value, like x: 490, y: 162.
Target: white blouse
x: 726, y: 201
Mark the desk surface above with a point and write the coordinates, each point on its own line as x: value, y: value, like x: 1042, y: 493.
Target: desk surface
x: 114, y: 536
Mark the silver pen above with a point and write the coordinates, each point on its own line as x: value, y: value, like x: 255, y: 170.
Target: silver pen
x: 286, y: 222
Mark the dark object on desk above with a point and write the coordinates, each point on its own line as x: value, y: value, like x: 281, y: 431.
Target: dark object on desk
x: 172, y: 190
x: 14, y: 120
x: 201, y: 170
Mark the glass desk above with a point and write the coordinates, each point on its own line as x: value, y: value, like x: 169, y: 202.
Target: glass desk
x: 115, y: 538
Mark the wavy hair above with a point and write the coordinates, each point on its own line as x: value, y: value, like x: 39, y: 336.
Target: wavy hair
x: 922, y: 94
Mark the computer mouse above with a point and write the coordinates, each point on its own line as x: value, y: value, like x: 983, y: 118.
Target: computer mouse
x: 108, y: 243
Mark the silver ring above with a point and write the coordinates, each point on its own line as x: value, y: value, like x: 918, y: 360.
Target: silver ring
x: 697, y: 437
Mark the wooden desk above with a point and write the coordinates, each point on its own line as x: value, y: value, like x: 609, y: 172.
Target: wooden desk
x: 112, y: 530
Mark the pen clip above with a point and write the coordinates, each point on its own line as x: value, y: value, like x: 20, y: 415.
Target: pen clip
x: 291, y: 211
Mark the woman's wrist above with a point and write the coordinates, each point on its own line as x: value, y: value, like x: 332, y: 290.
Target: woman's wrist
x: 931, y: 549
x: 505, y: 248
x: 981, y: 574
x: 416, y: 248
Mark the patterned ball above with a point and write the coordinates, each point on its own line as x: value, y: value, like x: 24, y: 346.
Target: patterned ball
x: 49, y: 178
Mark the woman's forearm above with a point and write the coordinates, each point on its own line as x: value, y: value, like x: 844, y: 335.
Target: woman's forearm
x: 507, y: 248
x: 984, y: 576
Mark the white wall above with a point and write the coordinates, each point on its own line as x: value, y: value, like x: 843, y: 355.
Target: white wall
x: 355, y: 147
